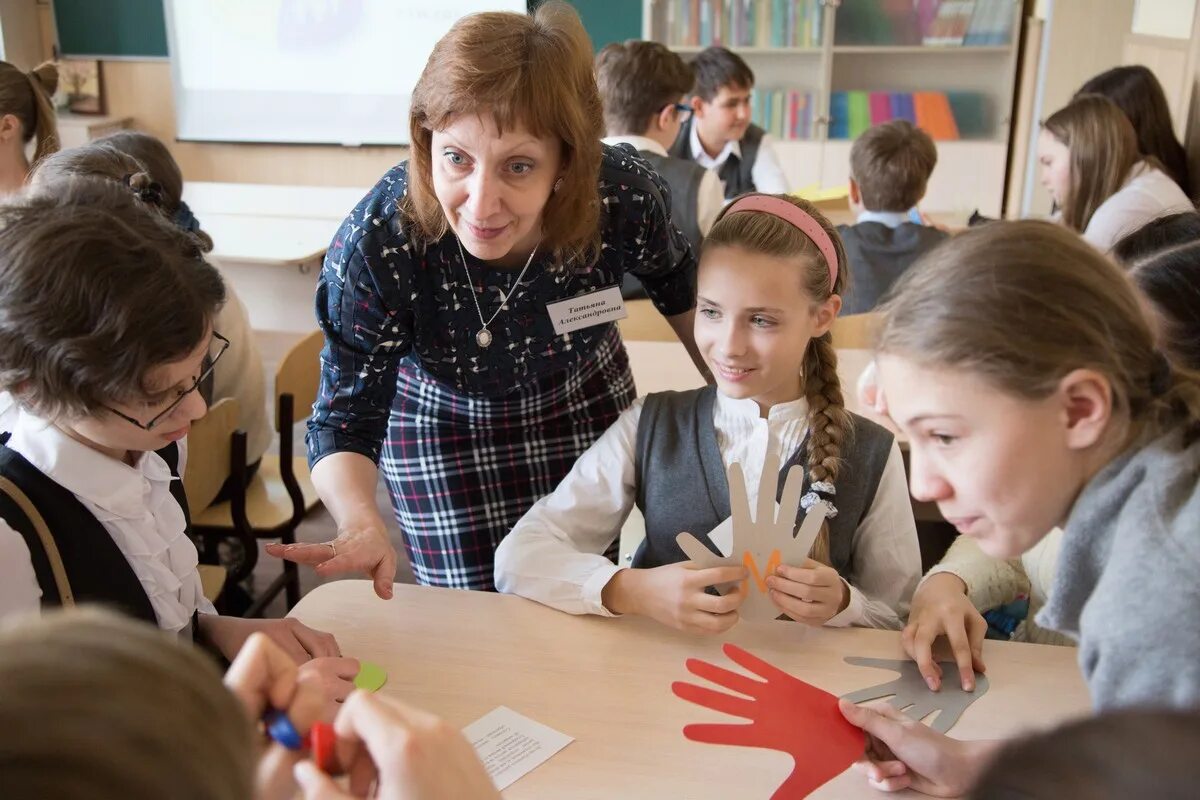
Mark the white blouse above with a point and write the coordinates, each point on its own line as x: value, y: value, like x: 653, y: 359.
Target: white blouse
x: 134, y: 505
x: 554, y: 554
x: 1147, y: 194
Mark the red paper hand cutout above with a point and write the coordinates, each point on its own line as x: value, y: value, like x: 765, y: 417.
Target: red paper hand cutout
x: 785, y: 714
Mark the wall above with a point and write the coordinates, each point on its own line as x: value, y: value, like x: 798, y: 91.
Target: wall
x: 20, y: 29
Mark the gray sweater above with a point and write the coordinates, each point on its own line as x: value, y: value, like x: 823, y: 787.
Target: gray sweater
x: 1128, y: 582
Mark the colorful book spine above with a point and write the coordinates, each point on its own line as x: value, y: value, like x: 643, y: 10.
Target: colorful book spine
x: 943, y: 115
x: 744, y: 23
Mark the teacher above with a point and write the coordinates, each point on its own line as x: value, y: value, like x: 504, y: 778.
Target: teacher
x: 446, y: 361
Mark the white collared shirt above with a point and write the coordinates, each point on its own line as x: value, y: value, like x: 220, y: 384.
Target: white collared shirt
x: 134, y: 505
x: 892, y: 219
x: 710, y: 197
x: 766, y: 172
x: 554, y: 554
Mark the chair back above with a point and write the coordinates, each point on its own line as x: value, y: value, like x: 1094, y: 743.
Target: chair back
x: 209, y: 445
x: 645, y: 324
x: 855, y: 332
x: 299, y: 374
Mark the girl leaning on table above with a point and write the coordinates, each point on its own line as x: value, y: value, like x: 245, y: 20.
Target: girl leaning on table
x: 770, y: 277
x: 106, y: 333
x: 1021, y: 365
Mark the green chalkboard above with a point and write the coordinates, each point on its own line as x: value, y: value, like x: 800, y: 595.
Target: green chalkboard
x: 111, y: 28
x: 610, y: 21
x: 137, y: 28
x: 607, y: 21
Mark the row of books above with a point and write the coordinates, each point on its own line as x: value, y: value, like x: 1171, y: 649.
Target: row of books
x: 744, y: 23
x: 965, y: 23
x: 943, y: 115
x: 790, y: 114
x: 784, y: 113
x: 971, y: 23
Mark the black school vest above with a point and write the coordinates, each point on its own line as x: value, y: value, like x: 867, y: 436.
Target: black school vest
x: 736, y: 172
x: 94, y: 565
x: 681, y: 483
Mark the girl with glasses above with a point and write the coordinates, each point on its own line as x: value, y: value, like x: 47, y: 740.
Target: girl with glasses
x: 106, y: 333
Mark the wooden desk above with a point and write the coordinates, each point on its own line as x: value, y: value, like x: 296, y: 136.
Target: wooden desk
x: 268, y: 242
x: 607, y: 682
x: 75, y: 130
x: 272, y: 200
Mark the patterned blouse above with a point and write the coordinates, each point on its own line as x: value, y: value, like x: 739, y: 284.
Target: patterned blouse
x: 381, y: 302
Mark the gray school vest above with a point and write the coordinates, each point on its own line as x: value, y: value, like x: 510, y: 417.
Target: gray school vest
x: 736, y: 171
x: 684, y: 178
x: 682, y: 485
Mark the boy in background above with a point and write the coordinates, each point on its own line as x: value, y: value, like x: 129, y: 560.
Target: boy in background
x: 720, y: 136
x: 642, y: 87
x: 890, y: 165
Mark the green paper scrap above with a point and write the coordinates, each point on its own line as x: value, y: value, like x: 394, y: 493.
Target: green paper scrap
x: 370, y: 677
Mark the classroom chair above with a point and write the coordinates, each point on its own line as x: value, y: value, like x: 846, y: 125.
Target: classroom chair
x: 854, y: 332
x: 645, y: 324
x: 281, y: 493
x: 217, y: 452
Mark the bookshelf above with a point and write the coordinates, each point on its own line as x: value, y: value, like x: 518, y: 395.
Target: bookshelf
x: 826, y: 69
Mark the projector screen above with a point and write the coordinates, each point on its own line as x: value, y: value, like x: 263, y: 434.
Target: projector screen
x: 304, y: 71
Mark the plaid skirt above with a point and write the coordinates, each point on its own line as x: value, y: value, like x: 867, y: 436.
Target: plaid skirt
x: 463, y: 470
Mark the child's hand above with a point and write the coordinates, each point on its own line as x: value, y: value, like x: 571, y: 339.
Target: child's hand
x: 412, y: 754
x: 814, y: 593
x: 263, y: 677
x: 870, y: 395
x: 674, y: 595
x: 940, y: 607
x: 228, y: 634
x: 903, y: 754
x: 335, y: 677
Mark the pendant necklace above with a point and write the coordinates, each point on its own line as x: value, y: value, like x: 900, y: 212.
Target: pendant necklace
x: 484, y: 337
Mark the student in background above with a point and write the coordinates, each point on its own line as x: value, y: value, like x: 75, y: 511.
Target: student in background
x: 720, y: 136
x: 1138, y: 93
x: 770, y: 278
x: 26, y: 114
x: 1091, y: 167
x: 1164, y: 261
x: 241, y: 374
x: 642, y: 87
x: 1021, y: 365
x: 97, y: 707
x: 106, y: 328
x: 890, y: 165
x: 1128, y: 754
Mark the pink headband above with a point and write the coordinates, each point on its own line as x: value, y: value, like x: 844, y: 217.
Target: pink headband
x: 790, y: 212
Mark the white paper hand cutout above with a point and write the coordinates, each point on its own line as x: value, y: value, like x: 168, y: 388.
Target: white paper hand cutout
x: 765, y: 541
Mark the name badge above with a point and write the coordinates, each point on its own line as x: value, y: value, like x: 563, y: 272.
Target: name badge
x: 586, y: 310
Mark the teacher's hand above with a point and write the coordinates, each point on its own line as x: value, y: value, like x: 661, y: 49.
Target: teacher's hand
x: 360, y: 546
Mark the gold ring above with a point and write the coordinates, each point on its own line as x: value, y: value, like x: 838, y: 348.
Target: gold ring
x: 333, y: 548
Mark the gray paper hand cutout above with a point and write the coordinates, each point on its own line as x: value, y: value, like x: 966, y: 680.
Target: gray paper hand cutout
x: 910, y: 695
x: 766, y: 541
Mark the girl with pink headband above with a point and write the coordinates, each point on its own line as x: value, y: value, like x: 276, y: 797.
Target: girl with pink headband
x: 771, y: 274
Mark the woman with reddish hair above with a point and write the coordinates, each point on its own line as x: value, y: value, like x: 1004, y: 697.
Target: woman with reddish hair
x: 451, y: 360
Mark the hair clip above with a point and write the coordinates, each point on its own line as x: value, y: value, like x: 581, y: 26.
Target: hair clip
x: 151, y: 193
x: 820, y: 491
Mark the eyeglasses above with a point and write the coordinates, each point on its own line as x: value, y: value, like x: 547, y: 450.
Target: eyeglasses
x: 220, y: 344
x: 683, y: 111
